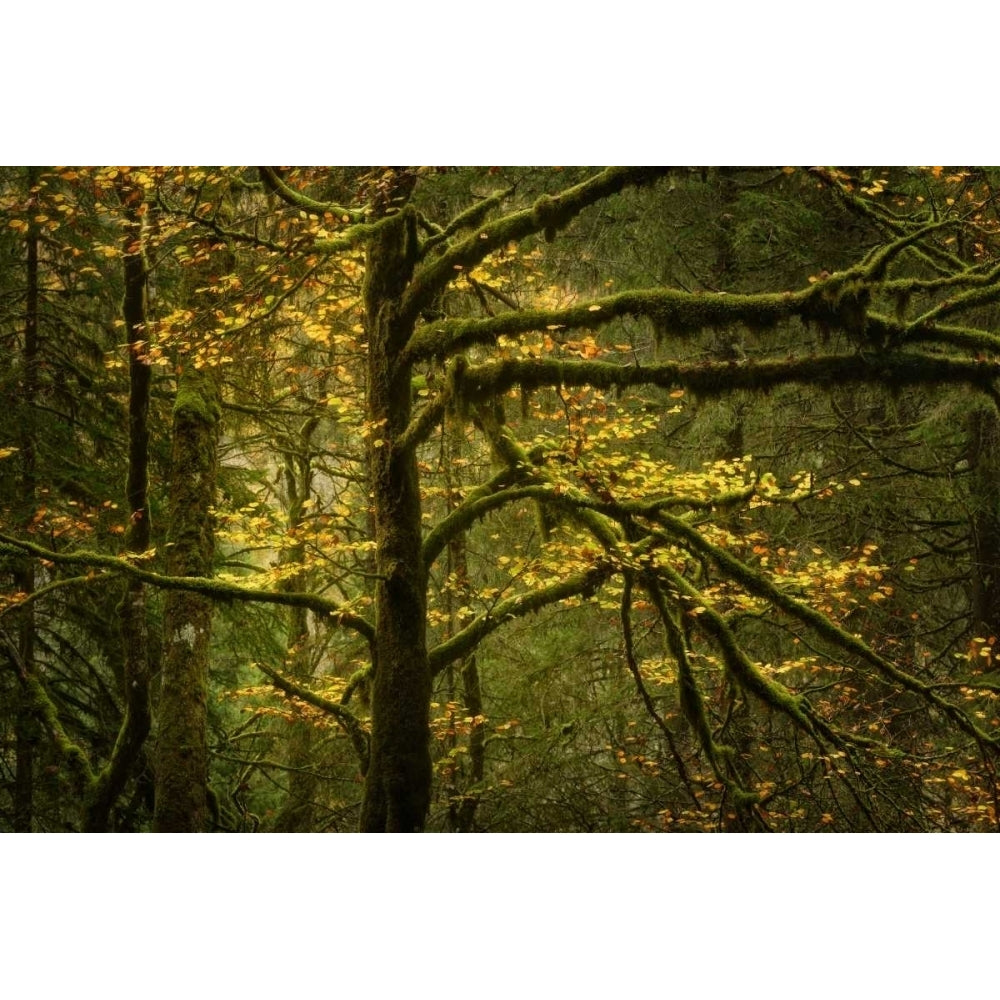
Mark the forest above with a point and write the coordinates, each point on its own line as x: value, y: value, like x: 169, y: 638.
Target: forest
x: 493, y: 499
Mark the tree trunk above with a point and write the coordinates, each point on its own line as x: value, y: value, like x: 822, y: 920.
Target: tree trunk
x: 462, y: 804
x: 182, y: 746
x: 298, y: 813
x: 984, y: 459
x: 26, y: 728
x: 397, y: 787
x: 132, y: 611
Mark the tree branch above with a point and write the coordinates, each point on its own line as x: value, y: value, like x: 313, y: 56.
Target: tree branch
x: 755, y: 584
x: 345, y: 719
x: 548, y: 214
x: 273, y: 182
x: 713, y: 378
x: 327, y: 609
x: 464, y: 642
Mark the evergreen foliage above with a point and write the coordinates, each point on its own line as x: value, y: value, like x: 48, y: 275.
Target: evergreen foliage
x: 484, y: 499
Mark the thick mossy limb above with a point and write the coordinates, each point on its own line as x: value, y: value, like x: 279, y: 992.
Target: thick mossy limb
x: 555, y: 213
x: 475, y: 215
x: 343, y: 716
x: 324, y: 608
x: 707, y: 380
x: 671, y: 311
x: 275, y: 183
x: 692, y: 703
x: 737, y: 663
x: 72, y: 754
x: 360, y: 684
x: 759, y: 586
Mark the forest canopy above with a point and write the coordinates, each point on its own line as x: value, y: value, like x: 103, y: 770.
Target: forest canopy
x: 493, y: 499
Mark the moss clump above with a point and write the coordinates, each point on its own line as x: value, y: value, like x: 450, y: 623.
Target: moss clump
x: 197, y: 398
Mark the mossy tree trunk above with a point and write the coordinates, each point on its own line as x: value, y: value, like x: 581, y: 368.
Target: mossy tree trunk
x: 132, y: 610
x: 462, y: 803
x: 298, y: 813
x: 181, y: 802
x: 27, y: 731
x: 397, y: 788
x: 984, y: 460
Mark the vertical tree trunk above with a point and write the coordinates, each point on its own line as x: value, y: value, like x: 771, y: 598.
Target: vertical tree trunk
x: 397, y: 787
x: 181, y: 803
x: 462, y: 804
x: 132, y: 610
x: 297, y: 815
x: 984, y: 459
x: 27, y: 729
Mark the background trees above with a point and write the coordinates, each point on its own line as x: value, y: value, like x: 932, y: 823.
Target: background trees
x: 626, y: 499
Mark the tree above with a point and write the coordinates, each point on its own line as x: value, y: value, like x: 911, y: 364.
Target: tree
x: 553, y: 389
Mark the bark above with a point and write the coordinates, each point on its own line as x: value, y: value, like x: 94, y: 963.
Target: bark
x: 397, y: 786
x: 27, y: 731
x: 182, y: 751
x: 462, y: 804
x: 984, y: 459
x: 132, y: 611
x: 298, y: 814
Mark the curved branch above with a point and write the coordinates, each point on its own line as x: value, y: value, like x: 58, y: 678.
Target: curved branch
x: 625, y: 614
x: 683, y: 313
x: 464, y: 642
x: 889, y: 222
x: 44, y: 591
x: 42, y: 706
x: 760, y: 587
x: 345, y: 719
x: 548, y: 214
x: 208, y: 586
x: 273, y: 182
x: 472, y: 216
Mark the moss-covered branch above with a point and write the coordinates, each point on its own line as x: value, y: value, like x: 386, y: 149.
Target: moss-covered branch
x: 464, y: 642
x: 345, y: 718
x: 890, y: 222
x: 675, y: 312
x: 564, y: 498
x: 38, y: 702
x: 427, y: 418
x: 711, y: 379
x: 28, y: 599
x: 219, y: 590
x: 628, y: 644
x: 840, y: 302
x: 273, y: 182
x: 472, y: 216
x: 354, y: 237
x: 740, y: 667
x: 548, y: 215
x: 984, y: 291
x: 760, y: 586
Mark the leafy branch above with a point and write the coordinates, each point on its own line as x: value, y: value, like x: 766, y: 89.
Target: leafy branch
x: 548, y: 215
x: 325, y: 608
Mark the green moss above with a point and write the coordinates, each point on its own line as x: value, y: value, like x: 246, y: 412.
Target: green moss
x: 197, y: 397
